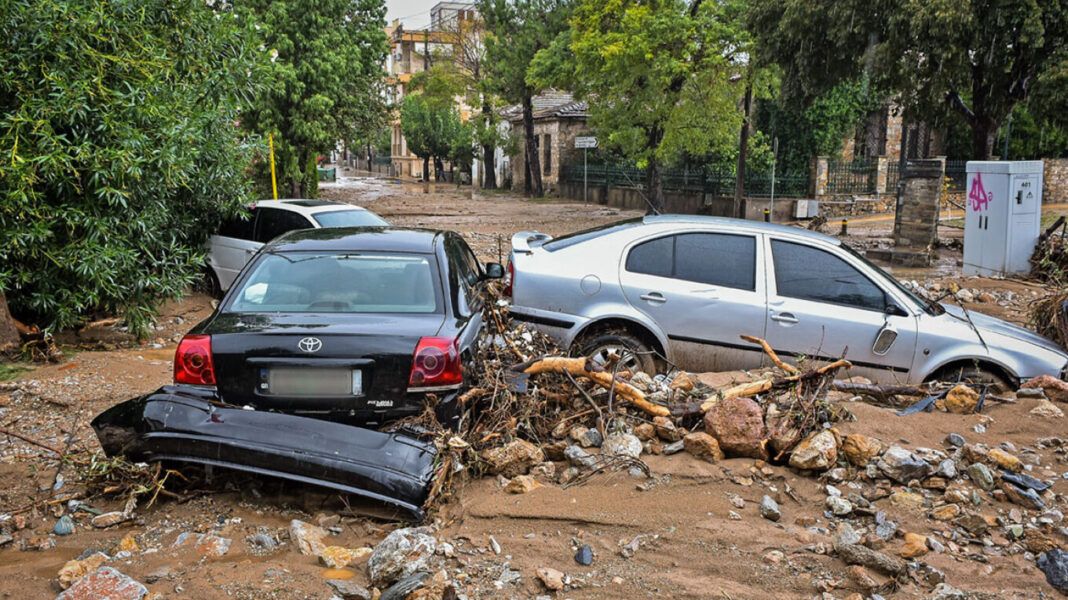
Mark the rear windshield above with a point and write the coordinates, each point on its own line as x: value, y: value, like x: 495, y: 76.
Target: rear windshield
x: 349, y: 218
x: 339, y: 283
x: 578, y: 237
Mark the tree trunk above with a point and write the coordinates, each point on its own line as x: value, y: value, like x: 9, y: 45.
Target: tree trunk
x: 533, y: 162
x: 439, y: 170
x: 983, y: 130
x: 294, y: 187
x: 743, y: 148
x: 655, y: 185
x: 426, y: 168
x: 8, y: 333
x: 488, y: 151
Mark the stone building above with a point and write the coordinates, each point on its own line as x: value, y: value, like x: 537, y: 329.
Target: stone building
x: 558, y: 118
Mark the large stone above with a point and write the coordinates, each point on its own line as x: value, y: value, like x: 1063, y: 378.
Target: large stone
x: 521, y: 484
x: 1047, y: 409
x: 981, y: 476
x: 403, y: 553
x: 1054, y: 565
x: 702, y: 445
x: 622, y: 444
x: 1055, y: 388
x: 579, y: 457
x: 902, y: 466
x: 349, y: 590
x: 212, y: 546
x: 817, y: 452
x: 915, y: 546
x: 960, y: 400
x: 945, y: 512
x: 769, y: 509
x: 514, y: 458
x: 551, y: 578
x: 858, y: 448
x: 76, y: 569
x: 666, y: 430
x: 308, y: 537
x: 109, y: 519
x: 339, y: 557
x: 1025, y: 497
x: 105, y: 583
x: 738, y: 426
x: 906, y: 499
x: 855, y: 554
x: 1006, y: 461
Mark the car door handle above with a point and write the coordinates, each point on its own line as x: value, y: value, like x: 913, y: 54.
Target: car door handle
x: 785, y: 318
x: 654, y: 297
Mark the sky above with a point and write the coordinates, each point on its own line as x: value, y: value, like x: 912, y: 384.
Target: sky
x: 413, y: 13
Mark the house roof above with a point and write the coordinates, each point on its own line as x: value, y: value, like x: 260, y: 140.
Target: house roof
x: 550, y: 104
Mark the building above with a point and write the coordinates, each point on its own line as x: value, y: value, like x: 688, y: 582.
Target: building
x: 558, y: 118
x: 412, y: 51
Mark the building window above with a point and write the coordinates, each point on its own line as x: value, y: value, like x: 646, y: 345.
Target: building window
x: 548, y: 153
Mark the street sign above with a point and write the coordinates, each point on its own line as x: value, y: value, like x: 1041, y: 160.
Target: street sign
x: 586, y: 141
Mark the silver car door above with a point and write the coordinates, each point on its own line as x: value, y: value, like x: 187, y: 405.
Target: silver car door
x: 821, y: 305
x: 704, y: 290
x: 231, y: 248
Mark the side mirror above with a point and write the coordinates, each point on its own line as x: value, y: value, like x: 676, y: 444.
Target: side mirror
x: 493, y: 271
x: 893, y: 310
x: 886, y: 338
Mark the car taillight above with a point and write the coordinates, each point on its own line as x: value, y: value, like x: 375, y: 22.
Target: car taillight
x: 511, y: 278
x: 436, y: 363
x: 192, y: 361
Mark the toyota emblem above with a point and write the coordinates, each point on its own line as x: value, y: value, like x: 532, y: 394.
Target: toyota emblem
x: 310, y: 344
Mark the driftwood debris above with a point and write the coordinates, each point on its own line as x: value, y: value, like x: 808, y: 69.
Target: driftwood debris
x: 583, y: 367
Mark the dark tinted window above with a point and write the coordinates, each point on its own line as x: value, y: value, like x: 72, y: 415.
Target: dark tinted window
x: 240, y: 227
x: 810, y: 274
x: 273, y: 222
x: 716, y: 259
x: 653, y: 257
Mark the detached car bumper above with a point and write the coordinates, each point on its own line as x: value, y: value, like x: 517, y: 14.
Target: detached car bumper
x: 182, y: 424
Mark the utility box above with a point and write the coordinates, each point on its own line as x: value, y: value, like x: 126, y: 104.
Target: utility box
x: 806, y: 209
x: 1003, y: 216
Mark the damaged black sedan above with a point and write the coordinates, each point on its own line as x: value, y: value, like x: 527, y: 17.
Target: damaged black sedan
x: 358, y: 326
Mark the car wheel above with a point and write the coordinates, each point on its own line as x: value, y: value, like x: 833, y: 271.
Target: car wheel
x: 995, y: 382
x: 209, y: 284
x: 634, y: 354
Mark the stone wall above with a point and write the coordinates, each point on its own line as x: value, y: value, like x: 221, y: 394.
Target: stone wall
x: 916, y: 223
x: 1055, y: 180
x: 561, y: 135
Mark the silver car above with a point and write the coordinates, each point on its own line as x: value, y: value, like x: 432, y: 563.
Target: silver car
x: 682, y: 289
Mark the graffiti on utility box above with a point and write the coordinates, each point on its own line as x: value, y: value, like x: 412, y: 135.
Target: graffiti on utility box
x: 978, y: 197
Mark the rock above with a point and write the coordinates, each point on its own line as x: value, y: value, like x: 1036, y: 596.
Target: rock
x: 104, y: 583
x: 960, y: 400
x: 551, y: 578
x: 579, y: 457
x: 899, y: 464
x: 944, y: 591
x: 339, y: 557
x: 839, y: 506
x: 769, y: 509
x: 555, y: 450
x: 76, y: 569
x: 514, y: 458
x: 955, y: 439
x: 906, y: 499
x: 702, y: 445
x: 860, y: 576
x: 981, y: 476
x: 584, y: 556
x: 682, y: 382
x: 109, y: 519
x: 1038, y: 393
x: 405, y: 586
x: 309, y: 538
x: 947, y: 469
x: 1055, y: 389
x: 858, y: 449
x: 641, y: 380
x: 1025, y: 497
x: 1054, y: 565
x: 402, y: 553
x: 622, y: 444
x: 738, y: 426
x: 211, y: 546
x: 1006, y: 461
x: 64, y: 526
x: 1025, y: 481
x: 1047, y: 409
x: 591, y: 439
x: 262, y: 541
x: 973, y: 524
x: 128, y: 543
x: 645, y: 432
x: 666, y: 430
x: 855, y: 554
x: 945, y: 512
x: 158, y: 573
x: 817, y: 452
x: 349, y: 590
x: 846, y: 536
x: 521, y: 484
x: 915, y: 546
x: 673, y: 448
x: 773, y: 557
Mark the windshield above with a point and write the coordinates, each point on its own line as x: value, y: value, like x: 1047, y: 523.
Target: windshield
x: 349, y: 218
x: 339, y: 283
x: 891, y: 279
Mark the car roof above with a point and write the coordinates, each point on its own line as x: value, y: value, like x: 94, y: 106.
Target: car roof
x: 740, y: 224
x: 308, y: 207
x: 384, y: 239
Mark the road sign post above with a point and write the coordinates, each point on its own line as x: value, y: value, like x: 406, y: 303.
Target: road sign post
x: 585, y: 142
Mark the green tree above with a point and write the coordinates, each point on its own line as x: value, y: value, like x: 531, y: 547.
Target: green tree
x: 433, y: 131
x: 119, y: 151
x: 516, y: 31
x: 976, y: 59
x: 325, y: 81
x: 657, y: 76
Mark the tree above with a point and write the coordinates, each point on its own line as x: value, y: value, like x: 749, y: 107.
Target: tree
x: 517, y: 31
x: 433, y: 131
x: 973, y: 58
x: 119, y: 151
x: 326, y: 80
x: 657, y: 76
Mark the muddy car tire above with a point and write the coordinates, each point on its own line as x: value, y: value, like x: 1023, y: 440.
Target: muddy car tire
x: 995, y: 382
x: 209, y: 284
x: 640, y: 356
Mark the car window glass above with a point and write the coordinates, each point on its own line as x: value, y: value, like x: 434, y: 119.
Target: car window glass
x: 652, y: 258
x: 273, y: 222
x: 471, y: 269
x: 238, y: 227
x: 461, y: 276
x: 810, y: 274
x: 717, y: 259
x: 349, y: 218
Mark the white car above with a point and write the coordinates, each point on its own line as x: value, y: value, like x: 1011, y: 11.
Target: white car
x: 239, y: 239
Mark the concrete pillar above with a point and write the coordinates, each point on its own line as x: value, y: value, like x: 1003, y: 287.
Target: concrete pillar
x: 881, y: 165
x: 819, y: 177
x: 916, y: 223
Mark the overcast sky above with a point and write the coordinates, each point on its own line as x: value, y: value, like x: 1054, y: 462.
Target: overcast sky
x: 413, y: 13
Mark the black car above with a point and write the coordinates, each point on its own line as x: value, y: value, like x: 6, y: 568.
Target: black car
x: 353, y: 325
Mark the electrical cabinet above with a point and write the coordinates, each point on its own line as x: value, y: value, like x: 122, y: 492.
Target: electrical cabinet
x: 1002, y: 217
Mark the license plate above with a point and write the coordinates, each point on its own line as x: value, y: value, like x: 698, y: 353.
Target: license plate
x: 300, y: 381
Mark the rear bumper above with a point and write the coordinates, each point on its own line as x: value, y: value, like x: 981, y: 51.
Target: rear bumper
x: 182, y: 424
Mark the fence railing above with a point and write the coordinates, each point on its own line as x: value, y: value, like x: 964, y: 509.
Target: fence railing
x: 853, y: 177
x: 713, y: 180
x: 382, y: 160
x: 956, y: 174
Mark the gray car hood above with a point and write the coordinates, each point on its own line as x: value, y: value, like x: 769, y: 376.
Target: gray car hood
x: 986, y: 323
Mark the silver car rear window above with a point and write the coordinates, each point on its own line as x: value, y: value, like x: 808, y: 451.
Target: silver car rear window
x: 586, y: 235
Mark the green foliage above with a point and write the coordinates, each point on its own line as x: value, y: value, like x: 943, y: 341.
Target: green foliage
x: 517, y: 31
x: 119, y: 151
x: 433, y: 130
x: 325, y: 81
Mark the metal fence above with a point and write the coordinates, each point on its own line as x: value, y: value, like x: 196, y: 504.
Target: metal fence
x: 853, y: 177
x: 956, y: 174
x: 716, y: 180
x: 382, y: 160
x: 893, y: 175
